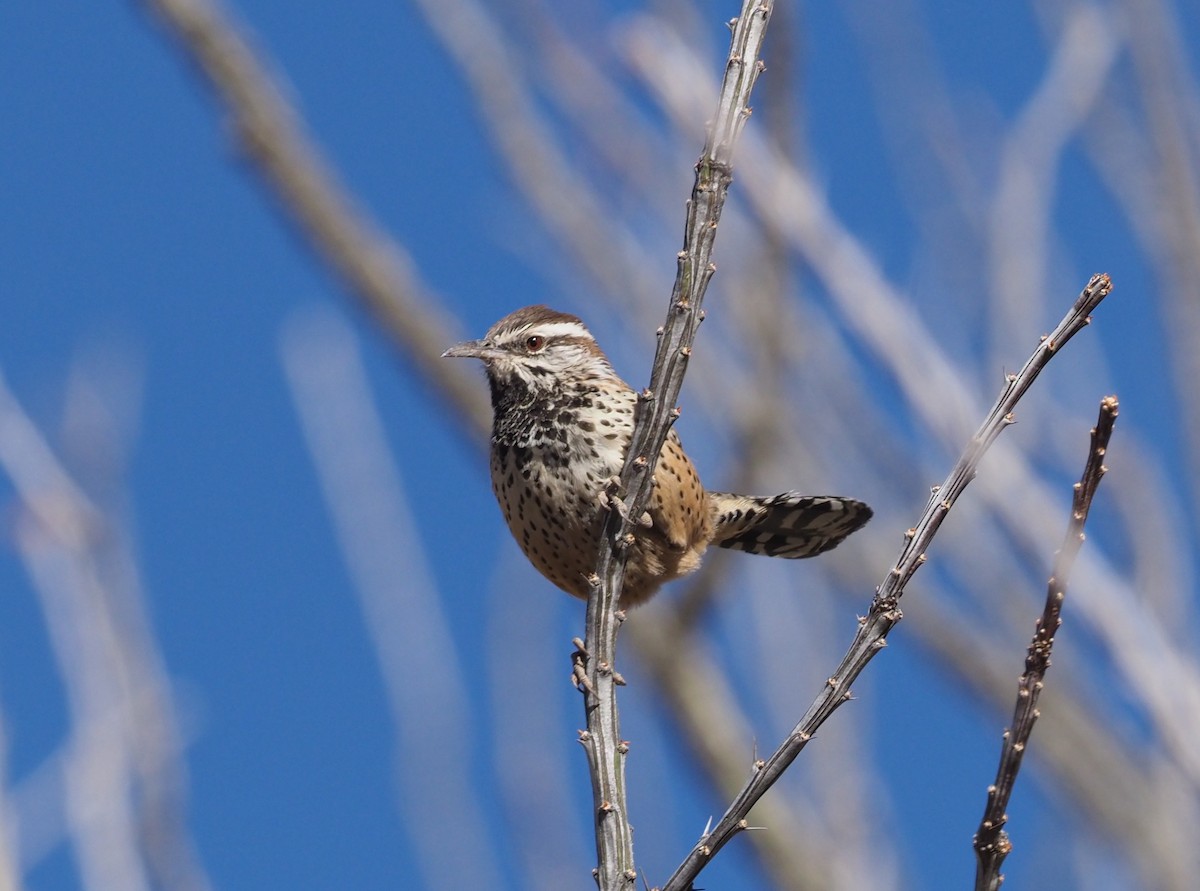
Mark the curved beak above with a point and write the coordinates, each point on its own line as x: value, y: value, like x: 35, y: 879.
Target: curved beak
x: 469, y: 349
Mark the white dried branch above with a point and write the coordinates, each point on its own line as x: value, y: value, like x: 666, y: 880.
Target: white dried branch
x: 10, y: 878
x: 405, y: 617
x: 1020, y: 227
x: 575, y: 214
x: 537, y: 771
x: 123, y: 777
x: 1170, y: 100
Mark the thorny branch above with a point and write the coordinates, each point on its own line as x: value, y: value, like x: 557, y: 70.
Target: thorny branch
x: 656, y: 413
x: 992, y: 844
x: 885, y: 608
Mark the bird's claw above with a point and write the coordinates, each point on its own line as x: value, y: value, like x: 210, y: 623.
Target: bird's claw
x: 609, y: 497
x: 579, y: 660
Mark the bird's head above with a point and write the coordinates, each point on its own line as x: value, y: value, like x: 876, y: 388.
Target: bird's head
x: 536, y: 350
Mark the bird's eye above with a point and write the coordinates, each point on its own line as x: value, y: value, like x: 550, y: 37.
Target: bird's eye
x: 534, y: 342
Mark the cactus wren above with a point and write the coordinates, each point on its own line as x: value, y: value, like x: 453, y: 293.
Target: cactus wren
x: 562, y: 420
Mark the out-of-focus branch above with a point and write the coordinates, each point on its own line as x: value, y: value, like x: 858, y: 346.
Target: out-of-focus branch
x: 713, y: 725
x: 406, y: 619
x: 992, y: 843
x: 9, y: 877
x: 381, y: 277
x: 124, y: 778
x: 576, y: 217
x: 885, y: 608
x: 1170, y: 227
x: 1020, y: 223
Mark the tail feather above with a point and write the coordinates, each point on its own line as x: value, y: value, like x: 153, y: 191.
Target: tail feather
x: 787, y: 525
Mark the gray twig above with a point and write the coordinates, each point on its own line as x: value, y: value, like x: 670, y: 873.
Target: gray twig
x: 992, y: 843
x: 885, y: 608
x: 656, y: 413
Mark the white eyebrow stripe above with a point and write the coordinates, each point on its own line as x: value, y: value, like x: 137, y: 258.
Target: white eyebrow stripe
x: 560, y: 329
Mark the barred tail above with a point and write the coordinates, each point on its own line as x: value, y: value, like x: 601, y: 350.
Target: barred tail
x: 786, y: 525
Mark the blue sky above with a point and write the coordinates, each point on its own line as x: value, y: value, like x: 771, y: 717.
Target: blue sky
x: 142, y: 256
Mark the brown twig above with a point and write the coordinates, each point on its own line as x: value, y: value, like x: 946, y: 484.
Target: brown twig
x: 992, y: 843
x: 656, y: 413
x: 885, y: 608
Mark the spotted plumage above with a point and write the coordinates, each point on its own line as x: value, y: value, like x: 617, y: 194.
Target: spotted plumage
x: 562, y: 420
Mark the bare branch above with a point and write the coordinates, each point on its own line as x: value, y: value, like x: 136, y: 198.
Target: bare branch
x: 656, y: 413
x: 992, y: 844
x: 885, y: 608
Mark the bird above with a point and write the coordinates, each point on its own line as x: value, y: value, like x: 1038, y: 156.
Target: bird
x: 562, y: 419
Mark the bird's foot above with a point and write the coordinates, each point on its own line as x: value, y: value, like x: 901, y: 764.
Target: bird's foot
x: 579, y: 661
x: 610, y: 499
